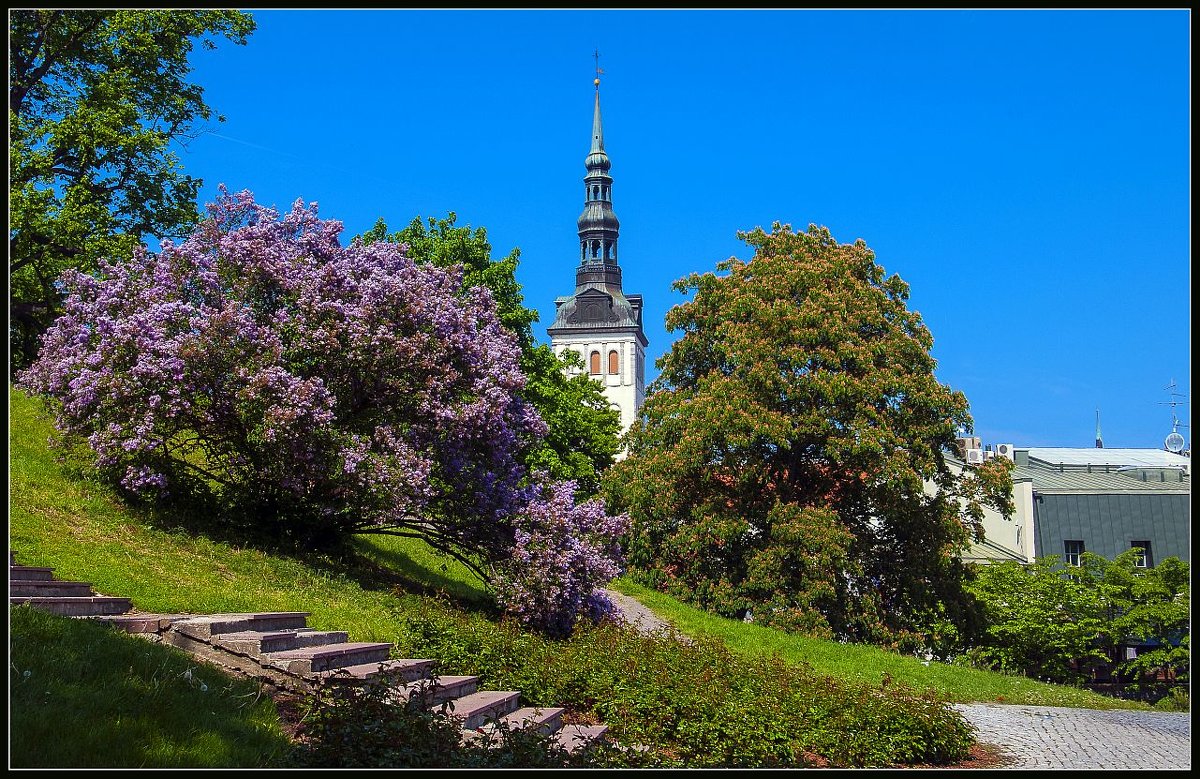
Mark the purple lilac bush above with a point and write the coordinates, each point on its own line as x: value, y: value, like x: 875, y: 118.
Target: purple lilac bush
x: 324, y: 389
x: 561, y: 552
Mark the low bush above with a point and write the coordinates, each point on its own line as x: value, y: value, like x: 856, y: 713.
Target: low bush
x: 694, y: 703
x: 1047, y: 620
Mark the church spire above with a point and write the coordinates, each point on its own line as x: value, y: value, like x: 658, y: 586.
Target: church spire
x: 598, y: 225
x: 597, y: 129
x: 599, y: 322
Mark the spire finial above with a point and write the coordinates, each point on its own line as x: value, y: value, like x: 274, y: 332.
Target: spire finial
x: 599, y: 72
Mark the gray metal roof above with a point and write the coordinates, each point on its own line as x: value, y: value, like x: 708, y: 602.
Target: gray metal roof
x: 1103, y: 479
x: 1158, y: 458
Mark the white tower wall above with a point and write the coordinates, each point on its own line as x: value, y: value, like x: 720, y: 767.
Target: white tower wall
x: 626, y: 389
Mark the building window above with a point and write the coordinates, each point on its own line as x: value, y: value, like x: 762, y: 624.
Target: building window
x: 614, y: 362
x: 1073, y: 552
x: 1142, y: 559
x: 595, y: 366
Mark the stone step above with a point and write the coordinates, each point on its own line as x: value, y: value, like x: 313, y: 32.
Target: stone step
x: 481, y: 706
x: 141, y: 623
x: 310, y: 659
x: 400, y: 670
x: 435, y: 692
x: 575, y: 737
x: 50, y: 588
x: 545, y: 720
x: 257, y: 642
x: 29, y: 572
x: 209, y: 625
x: 75, y: 606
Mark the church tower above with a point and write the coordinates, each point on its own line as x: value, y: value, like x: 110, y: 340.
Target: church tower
x: 599, y: 321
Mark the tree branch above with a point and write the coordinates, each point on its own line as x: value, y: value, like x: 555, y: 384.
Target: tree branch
x: 17, y: 94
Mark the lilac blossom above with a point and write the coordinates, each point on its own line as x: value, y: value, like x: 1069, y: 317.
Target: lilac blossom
x: 341, y: 387
x: 562, y: 553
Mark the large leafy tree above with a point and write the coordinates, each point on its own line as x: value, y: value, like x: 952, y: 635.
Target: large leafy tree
x: 96, y: 98
x: 790, y: 461
x: 582, y: 435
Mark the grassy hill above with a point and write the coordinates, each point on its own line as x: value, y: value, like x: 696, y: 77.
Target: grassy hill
x: 697, y: 702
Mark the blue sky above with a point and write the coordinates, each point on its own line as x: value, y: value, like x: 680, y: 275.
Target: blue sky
x: 1026, y: 172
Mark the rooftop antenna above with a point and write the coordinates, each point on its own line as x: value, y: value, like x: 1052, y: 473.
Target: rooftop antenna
x: 1174, y: 441
x: 1099, y: 440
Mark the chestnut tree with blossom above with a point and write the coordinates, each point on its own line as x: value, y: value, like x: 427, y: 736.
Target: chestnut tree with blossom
x: 790, y: 460
x: 318, y: 390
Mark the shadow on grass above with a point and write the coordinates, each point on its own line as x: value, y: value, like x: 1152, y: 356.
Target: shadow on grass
x: 85, y: 695
x: 199, y: 513
x: 396, y: 568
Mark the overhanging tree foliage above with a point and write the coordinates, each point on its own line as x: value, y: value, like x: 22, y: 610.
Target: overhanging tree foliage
x: 791, y: 457
x: 582, y: 429
x: 96, y: 97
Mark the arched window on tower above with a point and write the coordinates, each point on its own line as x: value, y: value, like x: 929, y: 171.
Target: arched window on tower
x: 614, y: 362
x: 595, y: 363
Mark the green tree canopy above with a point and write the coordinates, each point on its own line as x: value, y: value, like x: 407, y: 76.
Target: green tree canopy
x: 96, y: 97
x: 791, y: 457
x: 1052, y: 621
x: 583, y: 429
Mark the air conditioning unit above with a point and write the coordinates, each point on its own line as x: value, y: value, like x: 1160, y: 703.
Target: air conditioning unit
x: 968, y: 442
x: 1005, y: 450
x: 974, y: 457
x: 988, y: 454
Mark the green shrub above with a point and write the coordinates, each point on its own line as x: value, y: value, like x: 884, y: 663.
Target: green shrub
x: 1049, y: 621
x: 694, y: 703
x: 1176, y: 699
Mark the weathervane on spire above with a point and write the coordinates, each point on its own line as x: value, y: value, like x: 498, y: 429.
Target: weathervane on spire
x: 599, y: 72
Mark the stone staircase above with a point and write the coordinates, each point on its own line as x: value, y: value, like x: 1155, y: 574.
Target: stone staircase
x: 279, y: 650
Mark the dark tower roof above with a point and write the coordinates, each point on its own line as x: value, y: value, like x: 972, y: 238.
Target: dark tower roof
x: 598, y: 303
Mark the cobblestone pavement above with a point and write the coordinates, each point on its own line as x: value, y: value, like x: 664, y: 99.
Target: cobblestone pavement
x: 1054, y: 737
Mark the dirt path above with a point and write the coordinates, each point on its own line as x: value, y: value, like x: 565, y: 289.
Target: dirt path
x: 636, y: 614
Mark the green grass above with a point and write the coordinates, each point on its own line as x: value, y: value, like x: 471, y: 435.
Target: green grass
x: 869, y: 664
x: 83, y: 695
